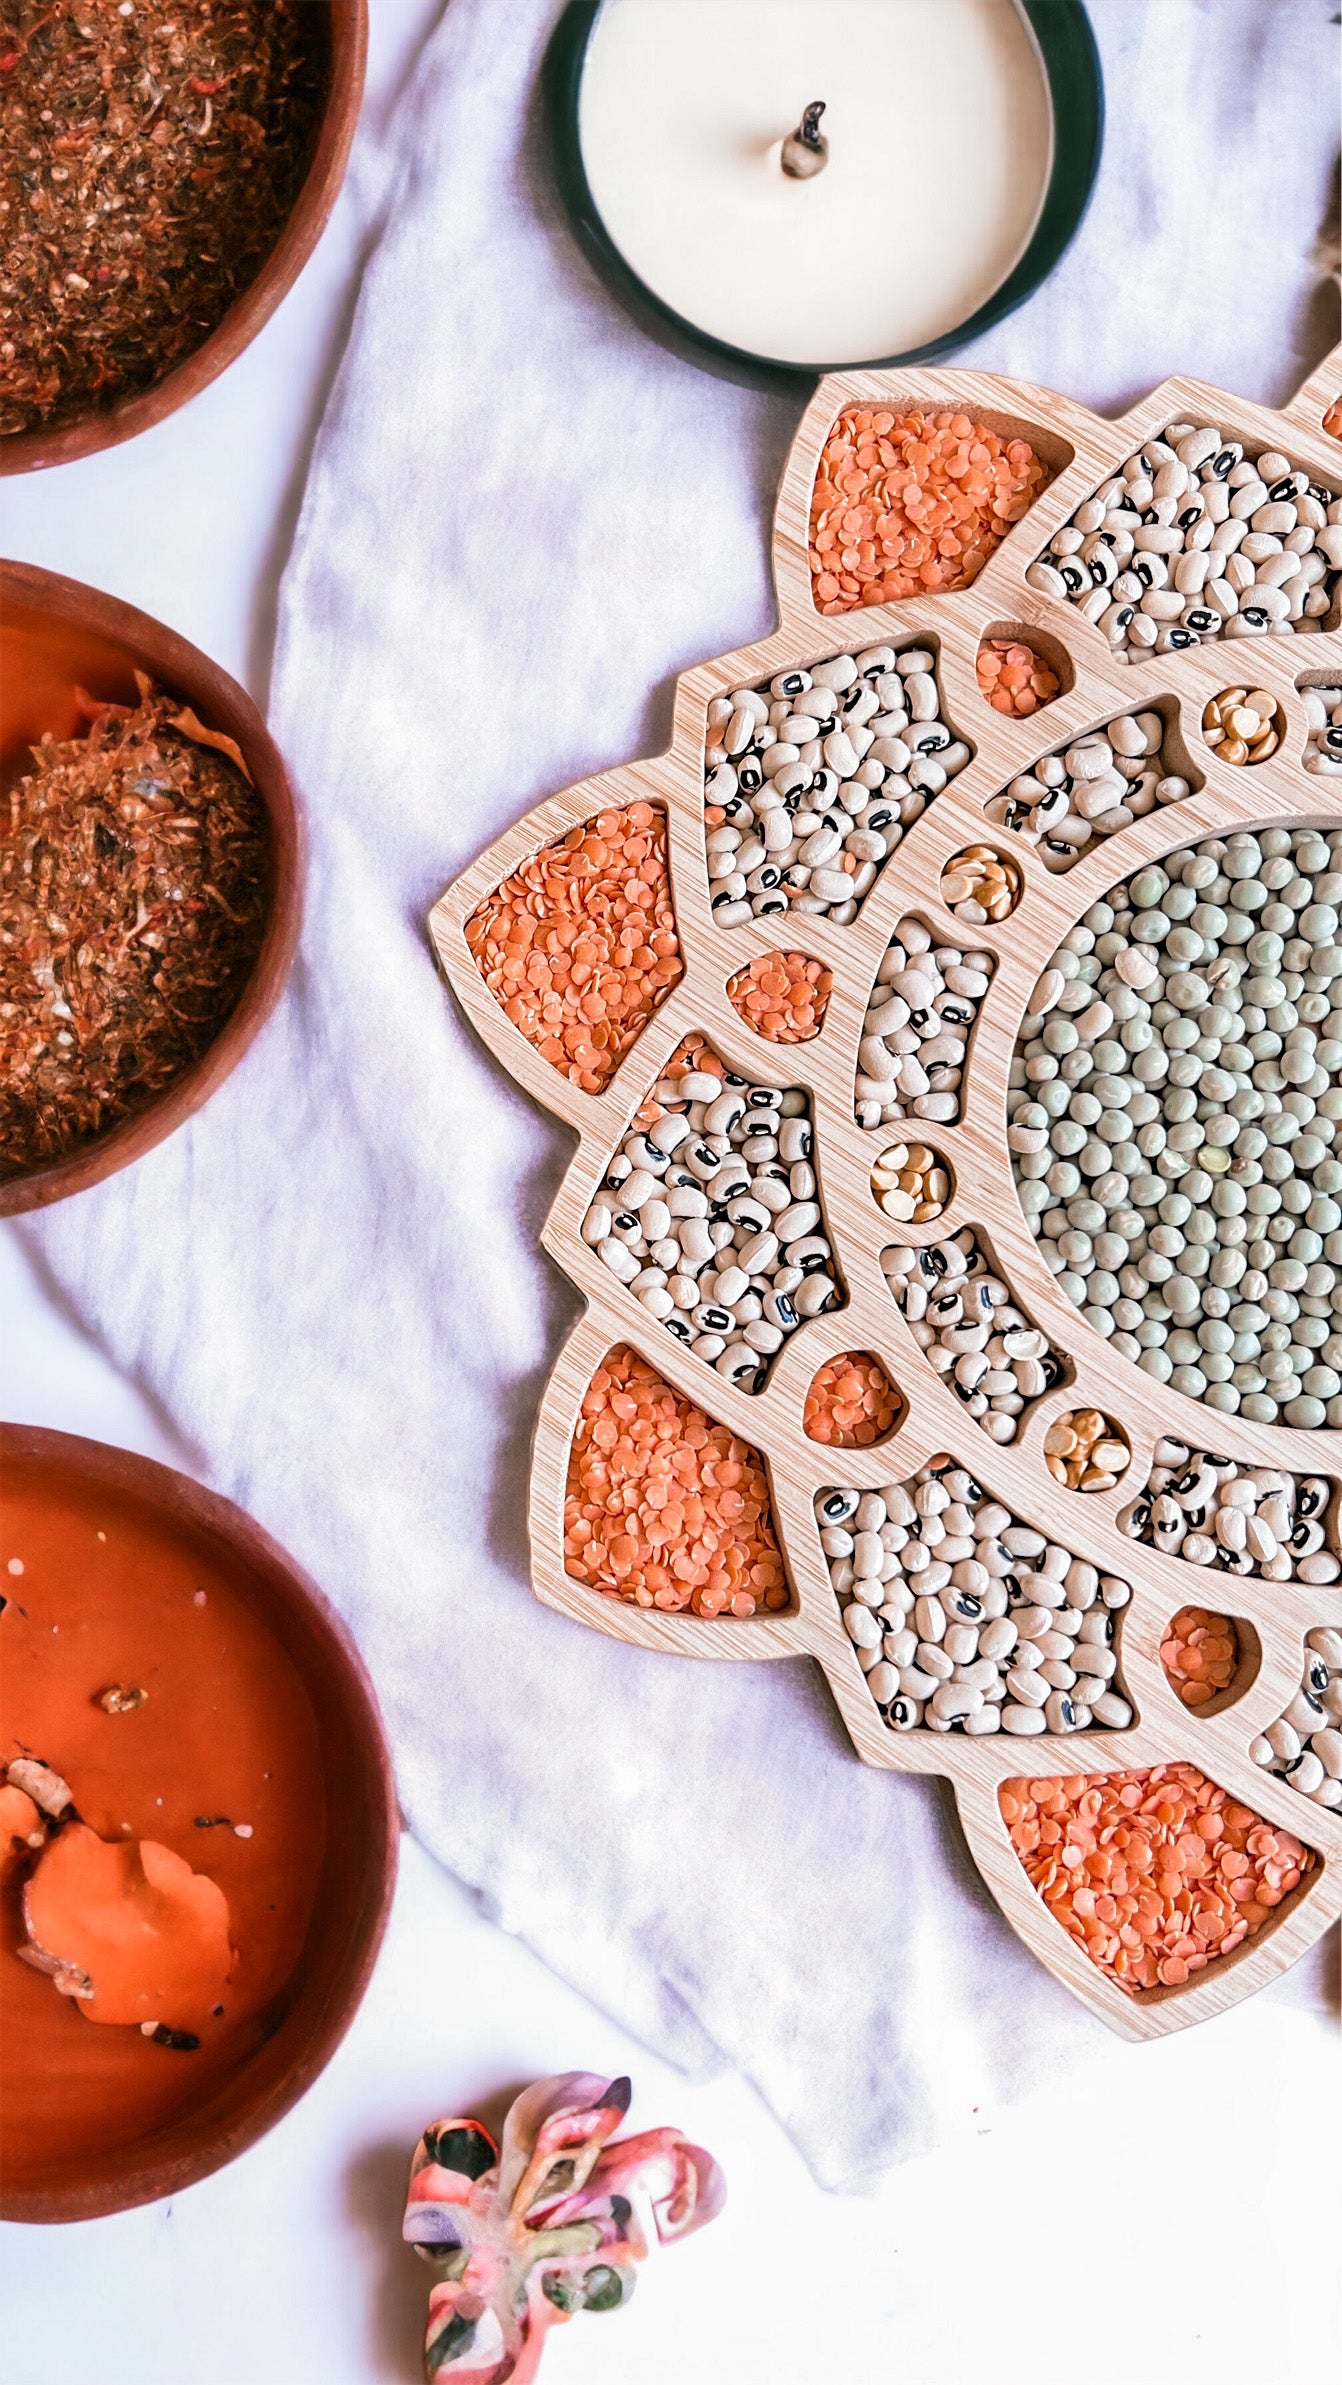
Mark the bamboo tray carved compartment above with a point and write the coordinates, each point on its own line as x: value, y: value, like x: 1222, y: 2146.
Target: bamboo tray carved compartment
x: 929, y: 1422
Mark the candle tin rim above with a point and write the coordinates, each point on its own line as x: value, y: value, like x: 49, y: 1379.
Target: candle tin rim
x: 327, y: 1999
x: 1065, y: 40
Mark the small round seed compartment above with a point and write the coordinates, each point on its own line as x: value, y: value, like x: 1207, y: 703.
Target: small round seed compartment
x: 812, y: 778
x: 915, y: 1033
x: 911, y: 1183
x: 782, y: 996
x: 970, y: 1330
x: 1304, y: 1745
x: 964, y: 1618
x: 1021, y: 671
x: 1191, y: 539
x: 1173, y: 1119
x: 853, y: 1402
x: 1209, y: 1659
x: 1212, y: 1512
x: 1097, y: 784
x: 709, y: 1214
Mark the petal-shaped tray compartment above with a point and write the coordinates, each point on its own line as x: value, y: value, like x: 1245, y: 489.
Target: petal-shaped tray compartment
x: 1031, y: 987
x: 1199, y: 536
x: 919, y: 1017
x: 578, y: 945
x: 814, y: 777
x: 709, y: 1212
x: 1304, y: 1742
x: 1155, y: 1874
x: 967, y: 1619
x: 1211, y: 1512
x: 1078, y: 795
x: 970, y: 1329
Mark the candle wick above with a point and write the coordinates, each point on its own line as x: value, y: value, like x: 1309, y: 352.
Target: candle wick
x: 806, y: 150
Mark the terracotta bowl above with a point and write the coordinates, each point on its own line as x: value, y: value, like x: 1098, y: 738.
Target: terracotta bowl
x: 30, y: 451
x: 311, y: 2013
x: 57, y: 635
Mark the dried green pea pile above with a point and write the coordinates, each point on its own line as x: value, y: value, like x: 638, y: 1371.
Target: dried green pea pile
x: 1175, y: 1122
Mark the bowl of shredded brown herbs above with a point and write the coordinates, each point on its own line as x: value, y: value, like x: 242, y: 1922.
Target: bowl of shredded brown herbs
x: 166, y: 167
x: 150, y: 882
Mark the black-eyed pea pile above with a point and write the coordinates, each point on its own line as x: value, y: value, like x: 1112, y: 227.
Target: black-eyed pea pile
x: 1194, y: 539
x: 963, y: 1618
x: 1098, y: 784
x: 811, y: 779
x: 911, y: 1058
x: 1211, y: 1511
x: 709, y: 1214
x: 1323, y: 741
x: 1304, y: 1745
x: 1174, y: 1115
x: 967, y: 1326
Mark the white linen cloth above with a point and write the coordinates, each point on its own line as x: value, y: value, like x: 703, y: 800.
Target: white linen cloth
x: 522, y: 517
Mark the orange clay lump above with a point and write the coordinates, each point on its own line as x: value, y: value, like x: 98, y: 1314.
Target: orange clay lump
x: 1014, y: 678
x: 665, y: 1507
x: 782, y: 995
x: 579, y: 945
x: 912, y: 504
x: 124, y: 1926
x: 851, y: 1402
x: 1200, y: 1653
x: 1155, y: 1874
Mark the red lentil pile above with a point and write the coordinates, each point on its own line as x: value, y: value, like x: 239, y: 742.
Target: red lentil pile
x: 579, y: 945
x: 134, y: 893
x: 782, y: 995
x: 1200, y: 1653
x: 149, y: 159
x: 1155, y: 1874
x: 1014, y: 678
x: 912, y: 504
x: 1332, y: 421
x: 851, y: 1402
x: 665, y: 1507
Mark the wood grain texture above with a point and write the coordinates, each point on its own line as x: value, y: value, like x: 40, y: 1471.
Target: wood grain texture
x: 1081, y: 449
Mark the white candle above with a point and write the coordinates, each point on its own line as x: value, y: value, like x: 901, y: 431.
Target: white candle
x: 940, y: 138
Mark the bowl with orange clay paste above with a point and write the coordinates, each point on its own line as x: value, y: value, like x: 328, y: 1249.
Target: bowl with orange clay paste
x: 198, y: 1830
x: 884, y: 1007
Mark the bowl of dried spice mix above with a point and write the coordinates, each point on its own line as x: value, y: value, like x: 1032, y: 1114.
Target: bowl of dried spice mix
x: 165, y: 172
x: 150, y: 883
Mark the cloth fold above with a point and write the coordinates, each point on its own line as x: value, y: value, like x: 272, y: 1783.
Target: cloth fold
x: 522, y: 520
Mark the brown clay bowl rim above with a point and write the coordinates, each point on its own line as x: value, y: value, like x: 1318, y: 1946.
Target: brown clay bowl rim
x: 222, y: 704
x: 283, y: 1587
x: 32, y: 451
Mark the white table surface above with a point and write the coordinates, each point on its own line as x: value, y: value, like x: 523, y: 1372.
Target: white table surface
x: 286, y: 2269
